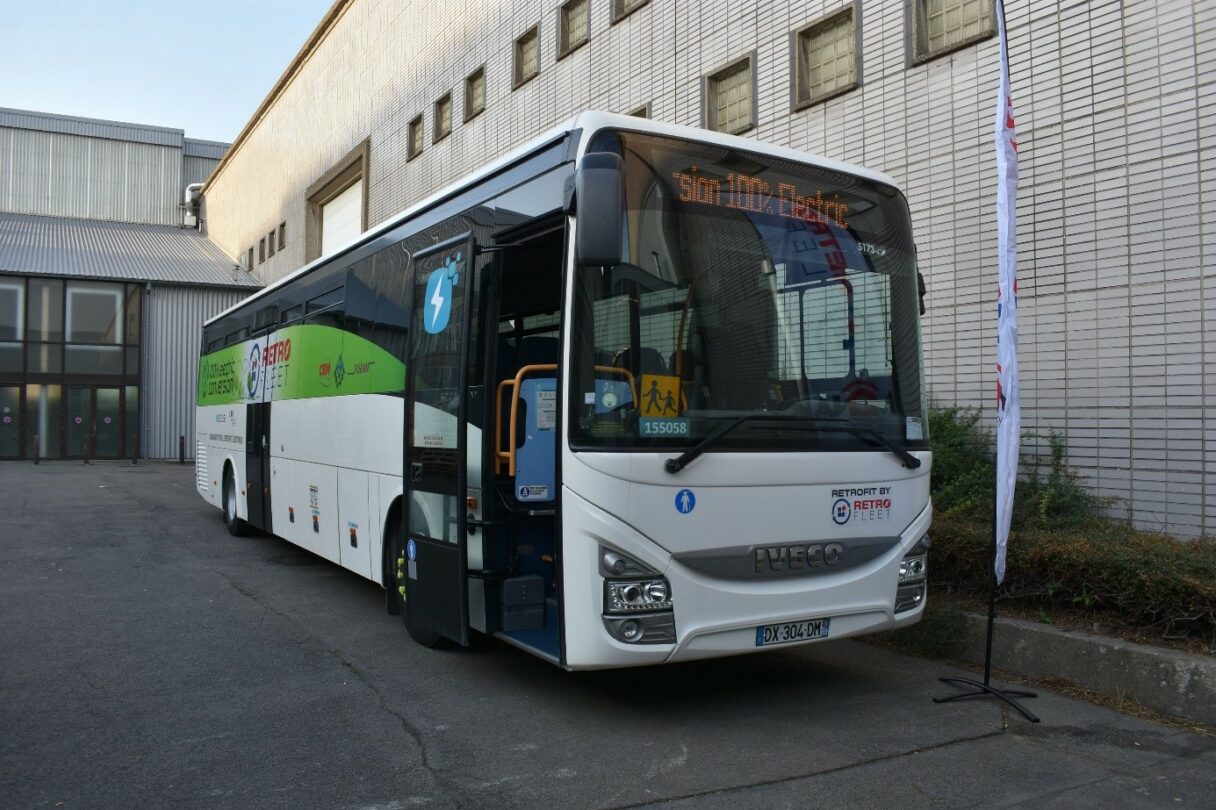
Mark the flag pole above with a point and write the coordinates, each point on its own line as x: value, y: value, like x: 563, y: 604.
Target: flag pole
x: 1008, y: 407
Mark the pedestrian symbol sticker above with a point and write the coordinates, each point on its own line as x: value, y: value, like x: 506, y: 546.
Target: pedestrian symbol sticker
x: 411, y: 549
x: 660, y: 396
x: 686, y: 501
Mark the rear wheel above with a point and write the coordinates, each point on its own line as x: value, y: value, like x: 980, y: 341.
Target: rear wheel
x: 236, y: 526
x: 398, y: 580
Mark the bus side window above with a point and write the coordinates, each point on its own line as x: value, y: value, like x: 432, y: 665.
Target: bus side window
x: 291, y: 315
x: 267, y: 318
x: 327, y: 309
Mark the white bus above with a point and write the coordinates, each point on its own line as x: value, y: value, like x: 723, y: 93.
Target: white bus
x: 636, y: 393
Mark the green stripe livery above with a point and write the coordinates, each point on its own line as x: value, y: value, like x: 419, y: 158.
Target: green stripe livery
x: 298, y: 362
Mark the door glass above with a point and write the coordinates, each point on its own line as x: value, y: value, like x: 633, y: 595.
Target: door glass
x: 43, y: 405
x: 109, y: 423
x: 10, y: 421
x: 78, y: 406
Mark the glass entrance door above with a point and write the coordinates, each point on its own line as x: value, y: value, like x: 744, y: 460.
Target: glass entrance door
x: 107, y: 422
x: 10, y: 421
x: 94, y: 420
x: 79, y: 409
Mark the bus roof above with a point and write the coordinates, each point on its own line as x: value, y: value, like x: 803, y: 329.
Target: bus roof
x: 589, y: 121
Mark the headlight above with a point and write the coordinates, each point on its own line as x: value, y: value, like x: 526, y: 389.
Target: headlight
x: 912, y: 569
x: 629, y: 596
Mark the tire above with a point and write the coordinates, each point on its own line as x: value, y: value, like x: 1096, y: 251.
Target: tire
x: 236, y: 526
x: 398, y: 584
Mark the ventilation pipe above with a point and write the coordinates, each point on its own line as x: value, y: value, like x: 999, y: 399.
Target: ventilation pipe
x: 190, y: 205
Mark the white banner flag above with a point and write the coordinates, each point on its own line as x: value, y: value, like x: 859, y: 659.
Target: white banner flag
x: 1008, y: 410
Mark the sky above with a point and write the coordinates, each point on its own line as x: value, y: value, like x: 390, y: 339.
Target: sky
x: 203, y: 66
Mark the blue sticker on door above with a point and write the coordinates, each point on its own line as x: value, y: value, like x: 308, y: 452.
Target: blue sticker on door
x: 437, y: 306
x: 686, y: 501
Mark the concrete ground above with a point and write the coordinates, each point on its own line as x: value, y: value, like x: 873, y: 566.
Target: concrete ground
x: 149, y: 659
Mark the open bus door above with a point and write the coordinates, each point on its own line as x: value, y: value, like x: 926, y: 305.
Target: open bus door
x: 435, y: 465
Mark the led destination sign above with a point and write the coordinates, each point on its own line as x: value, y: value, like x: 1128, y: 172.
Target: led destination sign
x: 746, y: 193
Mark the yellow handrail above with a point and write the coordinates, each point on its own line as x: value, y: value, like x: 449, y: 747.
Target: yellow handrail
x: 508, y: 455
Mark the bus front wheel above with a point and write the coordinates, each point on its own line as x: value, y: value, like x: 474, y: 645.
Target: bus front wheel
x: 399, y: 587
x: 236, y: 526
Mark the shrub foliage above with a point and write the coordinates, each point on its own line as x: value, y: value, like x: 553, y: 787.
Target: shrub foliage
x: 1064, y: 554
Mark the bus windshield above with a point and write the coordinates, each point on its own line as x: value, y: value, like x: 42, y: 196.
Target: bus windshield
x: 752, y: 285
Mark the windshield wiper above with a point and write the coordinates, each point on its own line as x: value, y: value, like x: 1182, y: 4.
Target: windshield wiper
x: 674, y: 465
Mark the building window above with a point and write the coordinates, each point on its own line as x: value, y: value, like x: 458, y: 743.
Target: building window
x: 641, y: 112
x: 414, y: 148
x: 573, y: 26
x: 336, y: 210
x: 282, y: 234
x: 730, y: 103
x: 826, y: 57
x: 475, y: 93
x: 942, y: 26
x: 270, y: 244
x: 623, y: 8
x: 12, y: 323
x: 527, y: 56
x: 443, y: 118
x: 262, y: 250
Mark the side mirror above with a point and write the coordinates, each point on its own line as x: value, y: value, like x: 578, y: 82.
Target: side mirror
x: 599, y: 194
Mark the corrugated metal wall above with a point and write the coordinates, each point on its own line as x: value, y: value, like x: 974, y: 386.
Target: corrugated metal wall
x: 196, y: 169
x: 54, y: 174
x: 175, y: 317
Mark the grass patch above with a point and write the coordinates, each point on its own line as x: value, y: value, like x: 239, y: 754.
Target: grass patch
x: 1066, y: 558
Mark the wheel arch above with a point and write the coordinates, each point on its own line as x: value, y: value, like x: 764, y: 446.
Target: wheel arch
x: 394, y: 514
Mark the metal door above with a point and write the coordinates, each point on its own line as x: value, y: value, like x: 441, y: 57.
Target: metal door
x: 435, y: 461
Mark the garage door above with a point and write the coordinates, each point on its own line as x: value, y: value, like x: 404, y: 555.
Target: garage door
x: 342, y: 218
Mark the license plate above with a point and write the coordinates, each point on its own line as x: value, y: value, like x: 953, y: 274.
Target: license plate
x: 770, y: 634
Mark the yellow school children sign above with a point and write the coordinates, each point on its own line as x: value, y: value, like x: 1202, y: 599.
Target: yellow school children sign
x: 660, y: 396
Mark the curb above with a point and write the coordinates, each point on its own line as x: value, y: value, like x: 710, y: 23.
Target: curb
x: 1168, y: 681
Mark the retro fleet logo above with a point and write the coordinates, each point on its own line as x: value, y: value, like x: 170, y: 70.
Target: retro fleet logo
x: 265, y: 366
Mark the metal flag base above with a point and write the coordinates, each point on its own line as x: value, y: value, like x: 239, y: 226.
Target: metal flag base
x: 983, y: 690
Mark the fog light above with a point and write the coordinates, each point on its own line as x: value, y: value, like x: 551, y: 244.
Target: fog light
x: 909, y: 597
x: 643, y: 628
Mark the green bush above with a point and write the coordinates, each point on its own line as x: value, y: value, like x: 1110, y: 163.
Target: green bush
x: 1063, y: 553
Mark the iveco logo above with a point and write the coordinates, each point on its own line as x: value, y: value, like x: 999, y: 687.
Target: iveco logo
x: 791, y: 558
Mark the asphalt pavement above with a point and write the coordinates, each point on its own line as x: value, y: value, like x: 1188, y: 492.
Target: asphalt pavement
x: 148, y: 659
